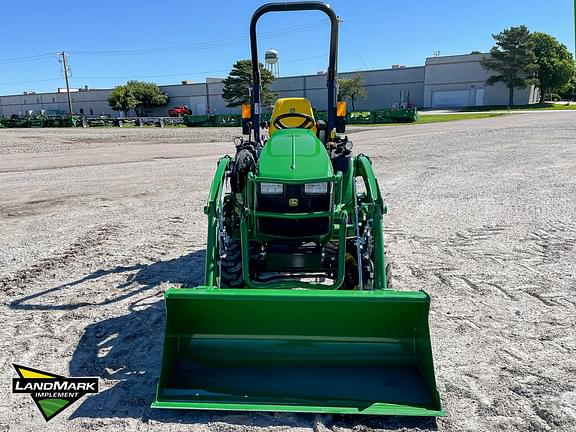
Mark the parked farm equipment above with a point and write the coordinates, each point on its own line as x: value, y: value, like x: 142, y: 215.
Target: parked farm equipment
x: 386, y: 115
x: 213, y: 120
x: 133, y: 121
x: 40, y: 121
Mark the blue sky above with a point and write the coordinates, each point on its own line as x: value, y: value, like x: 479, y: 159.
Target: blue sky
x: 112, y: 41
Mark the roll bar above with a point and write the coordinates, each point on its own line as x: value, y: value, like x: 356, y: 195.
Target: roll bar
x: 332, y: 60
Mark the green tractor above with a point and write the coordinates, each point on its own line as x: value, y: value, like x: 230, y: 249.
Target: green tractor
x: 297, y: 311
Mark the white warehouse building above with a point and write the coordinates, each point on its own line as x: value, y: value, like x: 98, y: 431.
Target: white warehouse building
x: 443, y: 82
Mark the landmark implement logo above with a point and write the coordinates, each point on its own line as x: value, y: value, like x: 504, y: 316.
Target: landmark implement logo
x: 51, y: 393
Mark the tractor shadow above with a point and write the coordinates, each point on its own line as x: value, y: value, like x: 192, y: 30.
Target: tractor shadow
x: 186, y: 270
x: 126, y: 353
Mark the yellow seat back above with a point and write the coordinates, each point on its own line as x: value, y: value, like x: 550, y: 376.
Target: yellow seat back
x: 288, y: 105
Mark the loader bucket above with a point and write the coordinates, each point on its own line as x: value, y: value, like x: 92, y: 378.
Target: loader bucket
x: 347, y: 352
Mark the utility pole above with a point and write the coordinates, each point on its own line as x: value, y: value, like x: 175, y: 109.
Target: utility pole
x: 65, y: 65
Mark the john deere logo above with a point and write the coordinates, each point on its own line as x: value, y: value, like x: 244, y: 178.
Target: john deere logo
x: 50, y: 392
x: 293, y: 202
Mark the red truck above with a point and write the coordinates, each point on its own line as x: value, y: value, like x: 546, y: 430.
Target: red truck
x: 179, y: 111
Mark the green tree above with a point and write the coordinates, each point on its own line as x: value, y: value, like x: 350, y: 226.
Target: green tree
x: 352, y: 88
x: 239, y: 81
x: 513, y: 60
x: 555, y: 64
x: 148, y: 96
x: 122, y: 99
x: 569, y: 92
x: 138, y: 96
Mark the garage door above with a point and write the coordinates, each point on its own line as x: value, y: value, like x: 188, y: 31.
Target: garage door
x: 449, y: 98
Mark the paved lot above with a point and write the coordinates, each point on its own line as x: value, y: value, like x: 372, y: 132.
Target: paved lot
x: 96, y: 223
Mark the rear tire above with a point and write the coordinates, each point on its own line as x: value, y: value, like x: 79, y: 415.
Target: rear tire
x: 231, y: 265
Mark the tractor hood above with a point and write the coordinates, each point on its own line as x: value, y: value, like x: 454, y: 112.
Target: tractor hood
x: 294, y: 154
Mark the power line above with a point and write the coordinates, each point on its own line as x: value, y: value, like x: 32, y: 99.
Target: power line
x: 287, y: 31
x: 151, y: 76
x: 193, y: 46
x: 305, y: 59
x: 187, y: 73
x: 353, y: 45
x: 222, y: 43
x: 26, y: 58
x: 29, y: 82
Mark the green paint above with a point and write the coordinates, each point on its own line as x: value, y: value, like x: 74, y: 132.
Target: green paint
x: 294, y: 154
x: 360, y: 352
x: 216, y: 190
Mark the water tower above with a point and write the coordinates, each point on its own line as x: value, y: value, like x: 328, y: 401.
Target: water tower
x: 271, y: 60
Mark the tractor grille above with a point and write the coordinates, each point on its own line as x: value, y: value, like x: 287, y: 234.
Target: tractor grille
x: 305, y: 204
x: 294, y: 228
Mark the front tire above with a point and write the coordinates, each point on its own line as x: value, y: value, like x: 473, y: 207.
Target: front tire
x: 231, y: 265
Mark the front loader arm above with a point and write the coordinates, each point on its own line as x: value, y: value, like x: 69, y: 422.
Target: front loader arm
x: 375, y: 209
x: 363, y: 168
x: 213, y: 209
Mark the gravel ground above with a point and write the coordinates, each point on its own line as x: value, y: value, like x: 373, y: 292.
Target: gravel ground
x: 97, y: 223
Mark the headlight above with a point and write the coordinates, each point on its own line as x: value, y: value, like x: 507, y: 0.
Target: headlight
x: 271, y: 188
x: 316, y: 188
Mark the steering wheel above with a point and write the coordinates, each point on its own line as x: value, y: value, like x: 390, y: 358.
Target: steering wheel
x: 307, y: 123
